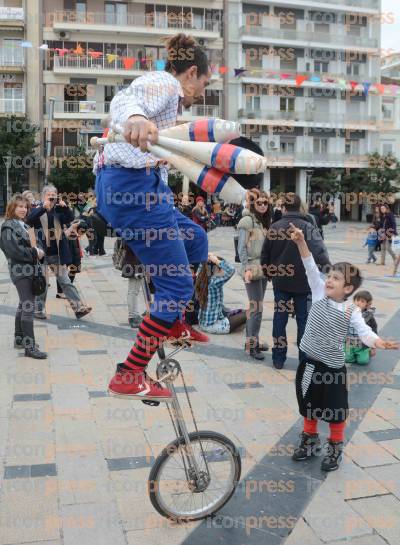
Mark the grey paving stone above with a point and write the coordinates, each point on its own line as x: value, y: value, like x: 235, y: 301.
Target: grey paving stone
x: 98, y: 393
x: 91, y: 352
x: 32, y: 397
x: 244, y: 385
x: 43, y: 470
x: 17, y: 472
x: 384, y: 435
x: 136, y: 462
x: 181, y: 389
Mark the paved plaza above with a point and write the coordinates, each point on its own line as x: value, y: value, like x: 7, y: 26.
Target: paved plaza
x: 75, y: 461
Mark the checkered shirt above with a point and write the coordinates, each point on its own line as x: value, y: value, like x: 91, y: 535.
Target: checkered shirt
x: 215, y: 300
x: 156, y: 96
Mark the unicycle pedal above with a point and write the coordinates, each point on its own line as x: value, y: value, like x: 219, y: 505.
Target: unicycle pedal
x: 151, y: 402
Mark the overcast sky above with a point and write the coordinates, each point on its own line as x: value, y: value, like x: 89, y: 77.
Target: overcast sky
x: 391, y: 32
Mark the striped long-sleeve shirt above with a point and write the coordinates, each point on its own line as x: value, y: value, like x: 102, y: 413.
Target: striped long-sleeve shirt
x: 328, y: 323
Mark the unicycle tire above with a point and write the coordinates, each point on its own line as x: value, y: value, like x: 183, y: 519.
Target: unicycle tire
x: 223, y: 452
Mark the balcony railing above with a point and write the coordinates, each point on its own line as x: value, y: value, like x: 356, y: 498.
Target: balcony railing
x: 202, y: 110
x: 12, y: 106
x: 86, y: 62
x: 11, y: 14
x: 160, y: 21
x: 336, y: 40
x: 307, y: 116
x: 310, y: 158
x: 81, y: 107
x: 370, y: 4
x: 259, y: 72
x: 10, y: 56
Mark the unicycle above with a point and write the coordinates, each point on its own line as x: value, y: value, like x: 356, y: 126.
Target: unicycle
x: 197, y: 473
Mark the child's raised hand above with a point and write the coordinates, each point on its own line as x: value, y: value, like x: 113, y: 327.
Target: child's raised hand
x: 296, y: 234
x: 387, y: 345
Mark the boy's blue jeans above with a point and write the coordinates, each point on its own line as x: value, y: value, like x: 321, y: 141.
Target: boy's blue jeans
x: 140, y: 206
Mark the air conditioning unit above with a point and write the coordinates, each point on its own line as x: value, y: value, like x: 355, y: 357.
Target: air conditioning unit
x: 63, y: 35
x: 272, y: 145
x: 201, y: 41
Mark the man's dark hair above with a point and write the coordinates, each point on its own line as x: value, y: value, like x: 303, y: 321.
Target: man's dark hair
x: 183, y: 53
x: 351, y: 273
x: 363, y: 294
x: 248, y: 181
x: 292, y: 202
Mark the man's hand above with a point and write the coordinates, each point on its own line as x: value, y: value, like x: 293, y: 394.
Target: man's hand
x: 214, y: 259
x: 387, y: 345
x: 248, y: 276
x: 296, y: 234
x: 61, y: 203
x: 139, y: 130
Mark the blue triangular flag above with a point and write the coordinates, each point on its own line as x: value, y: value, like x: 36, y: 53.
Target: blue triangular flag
x: 366, y: 85
x: 239, y: 71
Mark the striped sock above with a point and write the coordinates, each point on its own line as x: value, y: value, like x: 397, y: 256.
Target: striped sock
x: 152, y: 332
x: 337, y: 432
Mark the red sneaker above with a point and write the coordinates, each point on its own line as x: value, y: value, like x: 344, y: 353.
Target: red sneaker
x: 136, y: 384
x: 183, y: 331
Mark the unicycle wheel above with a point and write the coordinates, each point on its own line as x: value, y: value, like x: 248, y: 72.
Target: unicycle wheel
x: 178, y: 493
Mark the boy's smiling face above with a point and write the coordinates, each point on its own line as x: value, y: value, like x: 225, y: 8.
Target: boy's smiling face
x: 335, y: 287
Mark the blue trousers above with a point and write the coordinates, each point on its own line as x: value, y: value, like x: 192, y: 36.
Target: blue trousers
x: 281, y: 315
x: 140, y: 207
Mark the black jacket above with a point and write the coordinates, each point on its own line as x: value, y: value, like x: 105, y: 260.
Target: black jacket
x: 64, y: 216
x: 280, y: 256
x: 17, y: 248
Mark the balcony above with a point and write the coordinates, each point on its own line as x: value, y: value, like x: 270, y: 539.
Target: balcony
x: 308, y: 118
x: 11, y: 59
x: 12, y: 106
x: 261, y: 34
x: 139, y: 24
x: 200, y: 111
x: 84, y: 64
x: 84, y: 109
x: 358, y: 6
x: 319, y: 160
x: 12, y: 17
x: 259, y: 73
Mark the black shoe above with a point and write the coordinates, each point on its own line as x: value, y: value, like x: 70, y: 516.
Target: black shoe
x: 41, y: 315
x: 35, y: 353
x: 263, y: 347
x: 333, y: 456
x: 83, y: 311
x: 18, y: 341
x: 310, y: 445
x: 60, y: 296
x: 135, y: 321
x: 256, y: 354
x: 278, y: 364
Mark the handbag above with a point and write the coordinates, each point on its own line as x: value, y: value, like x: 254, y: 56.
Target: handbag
x: 119, y: 254
x: 39, y: 282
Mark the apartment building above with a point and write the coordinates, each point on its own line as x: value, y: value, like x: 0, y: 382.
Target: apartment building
x: 97, y: 47
x: 305, y: 127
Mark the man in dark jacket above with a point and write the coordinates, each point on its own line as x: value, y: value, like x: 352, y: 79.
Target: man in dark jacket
x: 49, y: 220
x: 282, y: 263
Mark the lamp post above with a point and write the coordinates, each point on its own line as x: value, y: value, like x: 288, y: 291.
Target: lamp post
x: 309, y: 173
x: 7, y: 161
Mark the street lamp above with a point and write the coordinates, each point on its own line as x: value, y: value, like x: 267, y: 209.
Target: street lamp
x: 7, y: 160
x: 309, y: 173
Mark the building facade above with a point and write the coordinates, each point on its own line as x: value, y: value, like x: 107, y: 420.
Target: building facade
x: 305, y: 127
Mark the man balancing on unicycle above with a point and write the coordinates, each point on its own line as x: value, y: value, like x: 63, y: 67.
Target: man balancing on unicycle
x: 133, y: 196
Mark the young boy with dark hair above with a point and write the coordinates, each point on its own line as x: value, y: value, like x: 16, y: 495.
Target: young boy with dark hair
x: 356, y: 351
x: 321, y: 385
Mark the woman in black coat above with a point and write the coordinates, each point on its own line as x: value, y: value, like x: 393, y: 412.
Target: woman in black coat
x: 387, y: 230
x: 22, y: 260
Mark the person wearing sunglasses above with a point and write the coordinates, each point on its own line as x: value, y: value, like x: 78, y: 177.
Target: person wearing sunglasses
x: 252, y: 228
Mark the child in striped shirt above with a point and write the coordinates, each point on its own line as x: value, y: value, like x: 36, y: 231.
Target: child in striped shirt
x: 321, y: 384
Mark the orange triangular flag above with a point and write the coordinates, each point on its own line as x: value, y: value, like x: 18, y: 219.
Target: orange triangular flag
x: 300, y: 80
x: 128, y: 62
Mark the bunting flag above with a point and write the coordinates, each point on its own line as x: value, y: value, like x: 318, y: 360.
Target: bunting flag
x: 239, y: 71
x: 44, y: 46
x: 128, y: 62
x: 366, y: 85
x: 315, y: 78
x: 223, y: 69
x: 111, y: 57
x: 380, y: 88
x: 353, y: 84
x: 61, y: 51
x: 79, y: 50
x: 300, y: 80
x: 285, y: 76
x: 95, y: 54
x: 160, y: 65
x: 26, y: 44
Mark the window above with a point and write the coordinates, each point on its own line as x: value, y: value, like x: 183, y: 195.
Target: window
x: 253, y: 103
x: 352, y: 147
x: 321, y: 67
x: 387, y: 148
x: 320, y: 145
x: 13, y: 97
x: 116, y: 13
x: 287, y: 145
x: 322, y: 28
x: 12, y: 52
x: 80, y: 12
x: 286, y: 104
x: 288, y: 64
x: 387, y: 110
x: 353, y: 69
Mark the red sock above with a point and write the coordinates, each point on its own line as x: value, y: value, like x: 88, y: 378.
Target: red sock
x: 151, y: 334
x: 337, y: 432
x: 310, y: 426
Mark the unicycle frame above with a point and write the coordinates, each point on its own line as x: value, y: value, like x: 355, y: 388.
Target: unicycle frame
x: 192, y: 469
